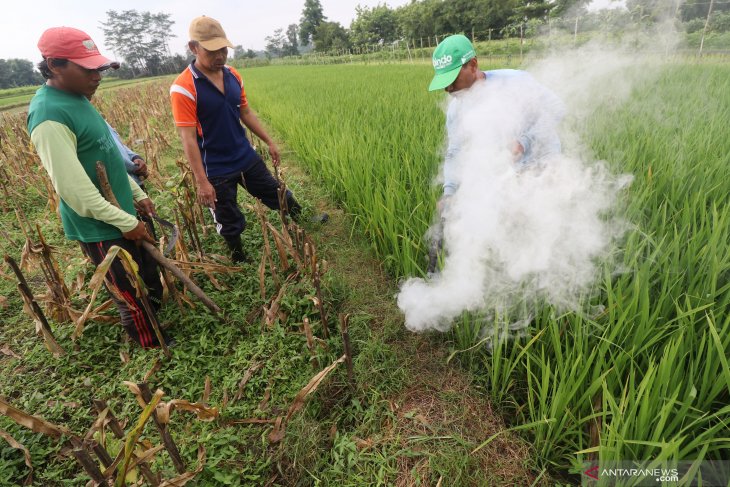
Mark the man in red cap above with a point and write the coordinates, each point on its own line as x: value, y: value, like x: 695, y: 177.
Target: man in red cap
x: 70, y: 136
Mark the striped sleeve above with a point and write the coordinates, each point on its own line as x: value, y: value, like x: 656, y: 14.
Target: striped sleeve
x: 183, y: 100
x: 244, y: 100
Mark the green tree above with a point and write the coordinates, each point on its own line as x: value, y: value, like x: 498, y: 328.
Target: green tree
x: 240, y: 53
x: 18, y: 72
x: 330, y: 36
x: 141, y: 39
x: 562, y: 7
x: 275, y: 43
x: 438, y: 17
x: 372, y: 25
x: 694, y: 9
x: 290, y: 46
x: 312, y: 17
x: 649, y: 11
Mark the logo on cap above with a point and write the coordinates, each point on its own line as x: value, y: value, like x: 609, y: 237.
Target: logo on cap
x: 442, y: 62
x: 467, y: 56
x: 89, y: 44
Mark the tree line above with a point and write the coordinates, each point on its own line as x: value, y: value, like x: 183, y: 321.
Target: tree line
x: 18, y: 72
x: 142, y: 39
x: 501, y: 18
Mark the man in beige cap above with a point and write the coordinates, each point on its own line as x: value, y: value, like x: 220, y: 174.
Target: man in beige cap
x: 208, y: 105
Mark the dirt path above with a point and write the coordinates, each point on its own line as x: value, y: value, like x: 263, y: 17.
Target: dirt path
x: 437, y: 416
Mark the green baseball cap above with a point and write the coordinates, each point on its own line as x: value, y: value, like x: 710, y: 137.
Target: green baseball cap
x: 448, y: 58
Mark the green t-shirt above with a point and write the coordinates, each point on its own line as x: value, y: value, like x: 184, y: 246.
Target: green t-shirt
x: 65, y: 123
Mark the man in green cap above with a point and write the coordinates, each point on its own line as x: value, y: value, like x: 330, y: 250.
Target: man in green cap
x: 457, y: 71
x: 529, y: 107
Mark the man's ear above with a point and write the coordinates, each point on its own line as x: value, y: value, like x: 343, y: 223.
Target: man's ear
x: 52, y: 66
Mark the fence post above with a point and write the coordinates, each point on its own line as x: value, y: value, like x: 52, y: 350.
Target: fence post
x: 707, y: 23
x: 521, y: 40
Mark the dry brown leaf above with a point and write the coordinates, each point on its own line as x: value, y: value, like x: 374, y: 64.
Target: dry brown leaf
x: 206, y: 391
x: 203, y: 412
x: 311, y: 386
x: 78, y: 283
x: 3, y: 302
x: 215, y: 282
x: 272, y: 312
x: 422, y: 419
x: 157, y: 365
x: 183, y: 479
x: 363, y: 444
x: 267, y: 395
x: 26, y: 454
x: 48, y: 338
x: 34, y: 423
x: 262, y: 277
x: 124, y: 356
x: 98, y: 423
x: 146, y: 456
x: 246, y: 377
x: 137, y: 393
x: 277, y: 434
x: 5, y: 350
x: 95, y: 284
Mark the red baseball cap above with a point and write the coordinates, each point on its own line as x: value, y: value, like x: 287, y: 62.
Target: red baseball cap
x: 74, y: 45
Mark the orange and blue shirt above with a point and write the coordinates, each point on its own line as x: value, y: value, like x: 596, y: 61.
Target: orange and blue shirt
x: 197, y: 102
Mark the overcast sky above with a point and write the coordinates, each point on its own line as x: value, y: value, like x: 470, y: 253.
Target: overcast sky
x: 246, y: 22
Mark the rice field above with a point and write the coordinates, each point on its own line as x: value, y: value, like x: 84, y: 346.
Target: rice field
x: 647, y: 378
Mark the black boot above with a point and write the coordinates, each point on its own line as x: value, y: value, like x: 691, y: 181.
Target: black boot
x: 238, y: 255
x: 295, y: 212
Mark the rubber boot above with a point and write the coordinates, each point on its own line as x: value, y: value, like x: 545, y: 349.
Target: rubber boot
x: 238, y: 255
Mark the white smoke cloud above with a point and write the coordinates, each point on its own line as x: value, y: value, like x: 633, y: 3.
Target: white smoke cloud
x: 517, y: 238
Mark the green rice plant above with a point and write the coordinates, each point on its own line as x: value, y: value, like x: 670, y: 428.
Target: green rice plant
x: 646, y: 378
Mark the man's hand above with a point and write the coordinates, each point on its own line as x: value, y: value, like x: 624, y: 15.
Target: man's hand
x: 206, y: 194
x: 138, y: 233
x: 443, y: 203
x: 517, y: 150
x: 141, y: 170
x: 145, y: 207
x: 274, y: 152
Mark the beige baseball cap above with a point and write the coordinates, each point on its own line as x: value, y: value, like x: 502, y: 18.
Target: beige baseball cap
x: 209, y: 33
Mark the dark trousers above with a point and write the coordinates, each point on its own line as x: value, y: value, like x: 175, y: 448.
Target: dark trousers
x: 260, y: 183
x: 135, y: 320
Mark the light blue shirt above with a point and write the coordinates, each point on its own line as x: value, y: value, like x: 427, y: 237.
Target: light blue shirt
x: 538, y: 137
x: 127, y: 154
